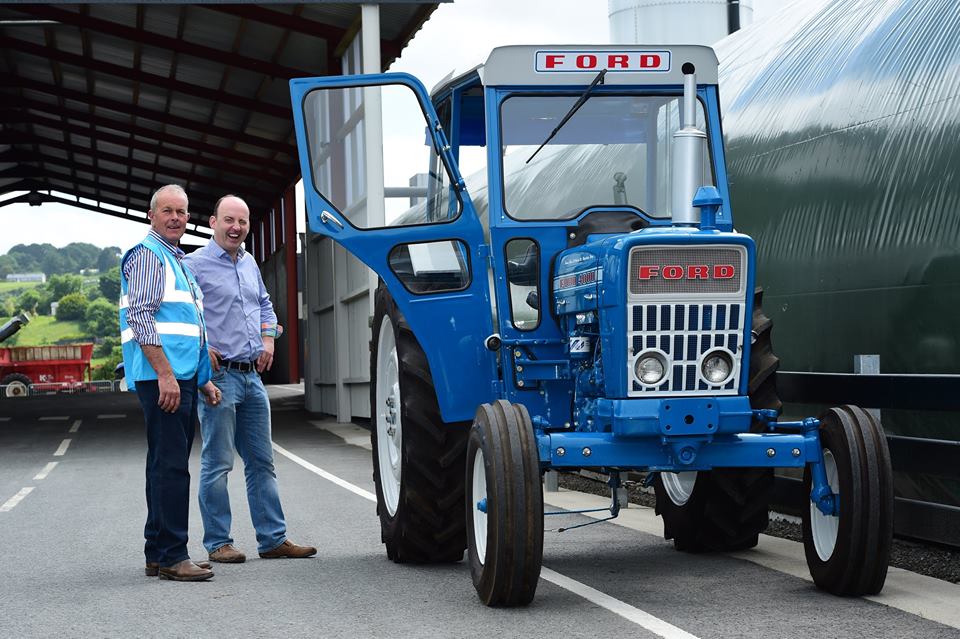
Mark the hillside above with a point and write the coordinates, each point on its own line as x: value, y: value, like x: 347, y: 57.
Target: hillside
x: 45, y: 329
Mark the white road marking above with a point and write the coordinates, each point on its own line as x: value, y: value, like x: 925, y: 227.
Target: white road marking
x: 64, y: 445
x: 655, y: 625
x: 4, y: 419
x: 926, y: 597
x: 16, y: 499
x: 54, y: 418
x: 76, y: 426
x: 366, y: 494
x: 646, y: 620
x: 46, y: 471
x: 112, y: 416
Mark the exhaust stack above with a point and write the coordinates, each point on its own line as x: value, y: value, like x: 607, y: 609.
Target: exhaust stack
x: 689, y: 148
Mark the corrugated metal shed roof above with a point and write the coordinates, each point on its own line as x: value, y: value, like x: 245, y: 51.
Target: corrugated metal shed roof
x: 107, y: 101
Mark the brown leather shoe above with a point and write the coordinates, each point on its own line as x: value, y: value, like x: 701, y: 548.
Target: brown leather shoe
x: 227, y: 554
x: 152, y: 568
x: 289, y: 549
x: 185, y: 570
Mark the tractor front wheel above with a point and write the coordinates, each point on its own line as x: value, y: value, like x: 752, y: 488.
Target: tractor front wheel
x: 848, y: 553
x: 504, y: 505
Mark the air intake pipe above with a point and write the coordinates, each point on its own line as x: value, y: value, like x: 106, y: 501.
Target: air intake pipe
x: 689, y: 149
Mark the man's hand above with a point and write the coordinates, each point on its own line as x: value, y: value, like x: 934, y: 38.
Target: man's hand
x: 169, y: 400
x: 211, y: 394
x: 265, y: 360
x: 215, y: 357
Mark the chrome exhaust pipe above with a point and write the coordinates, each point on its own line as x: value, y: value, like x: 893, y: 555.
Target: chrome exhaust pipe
x: 689, y: 151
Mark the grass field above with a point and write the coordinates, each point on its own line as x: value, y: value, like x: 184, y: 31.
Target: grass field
x: 7, y: 287
x: 45, y: 329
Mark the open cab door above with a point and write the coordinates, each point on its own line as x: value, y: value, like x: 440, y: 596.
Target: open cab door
x: 432, y: 256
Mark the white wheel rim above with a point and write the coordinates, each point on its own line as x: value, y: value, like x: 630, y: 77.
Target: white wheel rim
x: 824, y: 528
x: 16, y: 389
x: 479, y: 493
x: 389, y: 427
x: 679, y: 486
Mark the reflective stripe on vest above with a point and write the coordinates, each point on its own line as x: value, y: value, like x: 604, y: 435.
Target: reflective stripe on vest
x: 178, y: 321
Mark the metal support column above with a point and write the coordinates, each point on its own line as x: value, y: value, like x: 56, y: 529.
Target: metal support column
x: 292, y: 328
x: 373, y: 120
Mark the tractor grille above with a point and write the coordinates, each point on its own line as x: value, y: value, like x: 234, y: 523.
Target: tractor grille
x: 685, y: 318
x: 684, y: 332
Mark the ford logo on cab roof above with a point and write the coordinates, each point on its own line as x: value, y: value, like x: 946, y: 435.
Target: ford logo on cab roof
x: 613, y: 61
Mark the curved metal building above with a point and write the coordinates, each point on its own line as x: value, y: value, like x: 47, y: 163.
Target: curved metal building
x: 842, y: 130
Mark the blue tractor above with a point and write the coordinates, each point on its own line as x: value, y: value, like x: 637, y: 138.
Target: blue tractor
x: 581, y: 302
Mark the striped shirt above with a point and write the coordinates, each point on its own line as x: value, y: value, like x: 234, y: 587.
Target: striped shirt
x: 145, y: 283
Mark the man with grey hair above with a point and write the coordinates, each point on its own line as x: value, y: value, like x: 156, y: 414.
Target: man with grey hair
x: 163, y: 336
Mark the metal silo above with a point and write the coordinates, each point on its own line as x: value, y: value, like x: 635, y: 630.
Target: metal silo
x: 676, y: 21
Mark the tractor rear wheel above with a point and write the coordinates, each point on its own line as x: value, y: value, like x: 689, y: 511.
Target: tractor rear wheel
x: 504, y: 504
x: 848, y: 553
x: 418, y: 459
x: 725, y: 509
x: 16, y: 385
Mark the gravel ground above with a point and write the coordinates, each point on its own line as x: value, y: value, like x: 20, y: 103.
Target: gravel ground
x: 934, y: 561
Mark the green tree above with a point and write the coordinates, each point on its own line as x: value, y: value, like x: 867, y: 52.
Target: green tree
x: 28, y: 256
x: 72, y: 307
x: 46, y: 297
x: 108, y: 258
x: 101, y: 318
x: 9, y: 264
x: 28, y: 300
x: 106, y: 370
x: 62, y: 285
x: 110, y: 284
x: 55, y: 263
x: 81, y: 254
x: 105, y: 347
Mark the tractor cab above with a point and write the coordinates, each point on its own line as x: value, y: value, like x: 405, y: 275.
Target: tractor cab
x: 591, y: 154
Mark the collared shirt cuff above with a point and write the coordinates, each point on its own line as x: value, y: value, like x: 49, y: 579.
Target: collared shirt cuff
x: 148, y: 339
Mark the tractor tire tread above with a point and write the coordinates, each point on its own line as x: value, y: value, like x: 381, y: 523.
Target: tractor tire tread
x: 429, y: 525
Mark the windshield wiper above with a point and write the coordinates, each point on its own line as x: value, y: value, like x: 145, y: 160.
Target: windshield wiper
x: 576, y: 107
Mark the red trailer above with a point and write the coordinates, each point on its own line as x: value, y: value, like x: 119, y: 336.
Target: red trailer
x: 63, y: 367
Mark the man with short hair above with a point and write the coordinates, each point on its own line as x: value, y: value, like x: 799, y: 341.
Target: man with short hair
x: 163, y: 338
x: 242, y: 327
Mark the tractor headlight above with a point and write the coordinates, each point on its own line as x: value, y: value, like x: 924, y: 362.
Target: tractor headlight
x: 650, y: 367
x: 717, y: 366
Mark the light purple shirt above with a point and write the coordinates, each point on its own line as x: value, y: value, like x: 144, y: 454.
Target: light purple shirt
x: 236, y: 304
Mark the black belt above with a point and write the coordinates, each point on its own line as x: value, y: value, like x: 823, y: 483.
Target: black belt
x: 243, y: 367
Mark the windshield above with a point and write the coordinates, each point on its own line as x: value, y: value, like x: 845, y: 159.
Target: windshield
x: 616, y: 150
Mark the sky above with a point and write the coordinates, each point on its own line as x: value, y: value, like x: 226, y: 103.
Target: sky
x: 457, y: 36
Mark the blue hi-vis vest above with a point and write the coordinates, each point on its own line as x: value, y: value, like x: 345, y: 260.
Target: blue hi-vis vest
x: 179, y: 323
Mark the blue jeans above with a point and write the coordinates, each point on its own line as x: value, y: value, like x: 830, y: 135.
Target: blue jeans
x: 169, y: 439
x: 241, y: 421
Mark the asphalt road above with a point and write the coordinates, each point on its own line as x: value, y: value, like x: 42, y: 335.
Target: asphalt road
x: 72, y: 563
